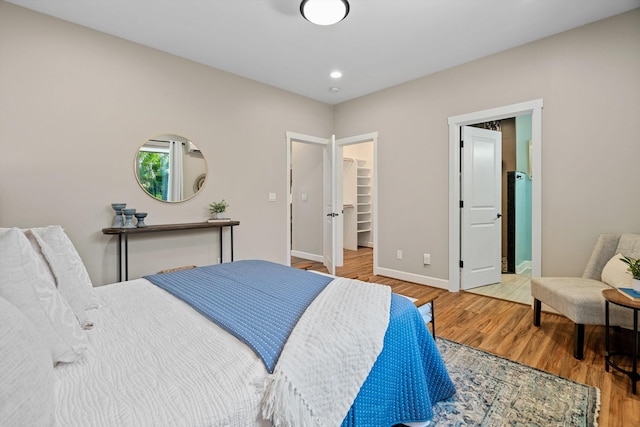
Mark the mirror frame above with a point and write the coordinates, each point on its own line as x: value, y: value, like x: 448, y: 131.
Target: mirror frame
x: 188, y: 147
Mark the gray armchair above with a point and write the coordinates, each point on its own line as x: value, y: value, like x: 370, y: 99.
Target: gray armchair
x: 580, y: 298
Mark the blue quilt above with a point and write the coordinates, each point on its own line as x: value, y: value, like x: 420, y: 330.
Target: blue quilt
x: 260, y: 303
x: 242, y: 298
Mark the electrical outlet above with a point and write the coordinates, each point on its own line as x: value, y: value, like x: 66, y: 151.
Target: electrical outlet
x: 427, y: 259
x: 272, y: 197
x: 399, y: 254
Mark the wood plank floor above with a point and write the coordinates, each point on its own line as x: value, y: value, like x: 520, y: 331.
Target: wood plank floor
x: 505, y: 328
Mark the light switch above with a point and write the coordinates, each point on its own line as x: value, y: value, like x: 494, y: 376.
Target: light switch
x: 272, y: 197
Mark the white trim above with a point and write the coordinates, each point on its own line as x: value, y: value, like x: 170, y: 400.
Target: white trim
x: 414, y: 278
x: 306, y: 255
x: 534, y: 108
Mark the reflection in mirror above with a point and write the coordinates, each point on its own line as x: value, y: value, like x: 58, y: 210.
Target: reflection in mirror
x: 170, y: 168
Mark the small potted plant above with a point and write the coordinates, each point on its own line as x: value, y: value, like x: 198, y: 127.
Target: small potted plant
x: 634, y: 269
x: 218, y: 208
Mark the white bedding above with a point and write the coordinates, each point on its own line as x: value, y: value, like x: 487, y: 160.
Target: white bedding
x: 148, y: 352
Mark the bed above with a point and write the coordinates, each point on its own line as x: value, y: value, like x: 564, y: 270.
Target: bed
x: 150, y: 351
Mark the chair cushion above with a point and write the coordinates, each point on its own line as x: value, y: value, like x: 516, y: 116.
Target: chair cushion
x: 576, y: 298
x: 580, y: 300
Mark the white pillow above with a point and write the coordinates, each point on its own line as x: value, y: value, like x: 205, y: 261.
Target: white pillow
x: 25, y: 283
x: 615, y: 273
x: 67, y: 267
x: 27, y: 389
x: 64, y: 278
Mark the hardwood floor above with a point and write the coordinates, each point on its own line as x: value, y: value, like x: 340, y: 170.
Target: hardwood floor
x: 512, y: 287
x: 505, y: 328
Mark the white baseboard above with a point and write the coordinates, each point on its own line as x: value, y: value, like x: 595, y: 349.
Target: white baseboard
x: 305, y: 255
x: 523, y: 266
x: 414, y: 278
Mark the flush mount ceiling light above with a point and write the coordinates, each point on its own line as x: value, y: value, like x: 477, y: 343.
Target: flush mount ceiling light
x: 324, y: 12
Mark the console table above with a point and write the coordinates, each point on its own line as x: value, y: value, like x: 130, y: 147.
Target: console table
x: 123, y: 238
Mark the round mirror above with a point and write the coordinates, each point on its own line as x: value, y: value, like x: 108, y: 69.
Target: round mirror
x: 170, y: 168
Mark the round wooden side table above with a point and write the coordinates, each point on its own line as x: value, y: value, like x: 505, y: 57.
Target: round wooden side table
x: 614, y: 296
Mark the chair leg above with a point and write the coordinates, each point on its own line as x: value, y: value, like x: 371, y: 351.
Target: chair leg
x: 537, y: 308
x: 578, y: 351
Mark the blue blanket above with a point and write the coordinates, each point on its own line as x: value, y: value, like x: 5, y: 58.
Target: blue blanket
x: 242, y: 298
x: 264, y: 301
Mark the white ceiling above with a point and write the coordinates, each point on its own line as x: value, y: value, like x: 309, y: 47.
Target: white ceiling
x: 380, y: 44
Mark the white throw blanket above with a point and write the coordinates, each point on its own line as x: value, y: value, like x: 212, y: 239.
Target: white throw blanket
x: 328, y: 355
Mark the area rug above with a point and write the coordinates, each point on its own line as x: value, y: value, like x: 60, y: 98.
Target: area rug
x: 494, y: 391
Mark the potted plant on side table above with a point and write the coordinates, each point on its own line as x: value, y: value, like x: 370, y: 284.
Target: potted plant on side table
x: 634, y: 269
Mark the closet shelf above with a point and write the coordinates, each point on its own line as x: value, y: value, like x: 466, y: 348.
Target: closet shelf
x: 357, y: 225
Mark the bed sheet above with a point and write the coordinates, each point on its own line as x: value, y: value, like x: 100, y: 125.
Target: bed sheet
x: 151, y: 362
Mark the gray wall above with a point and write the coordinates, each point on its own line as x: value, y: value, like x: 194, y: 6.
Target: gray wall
x: 76, y: 104
x: 307, y: 216
x: 588, y: 79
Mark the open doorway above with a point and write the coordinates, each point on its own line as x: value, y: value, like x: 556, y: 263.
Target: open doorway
x: 516, y: 183
x: 456, y: 123
x: 357, y: 204
x: 315, y: 175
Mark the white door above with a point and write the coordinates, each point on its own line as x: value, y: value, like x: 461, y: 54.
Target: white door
x: 332, y: 210
x: 481, y: 195
x: 338, y: 207
x: 326, y: 257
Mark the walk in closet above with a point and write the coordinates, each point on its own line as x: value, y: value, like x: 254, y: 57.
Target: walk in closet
x: 357, y: 203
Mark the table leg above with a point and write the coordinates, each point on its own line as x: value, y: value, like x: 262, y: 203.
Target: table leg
x: 231, y: 243
x: 606, y: 335
x: 126, y: 257
x: 221, y: 254
x: 120, y: 257
x: 433, y: 319
x: 634, y: 362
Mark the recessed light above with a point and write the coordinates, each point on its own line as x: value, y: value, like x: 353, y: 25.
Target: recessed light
x: 336, y: 74
x: 334, y: 89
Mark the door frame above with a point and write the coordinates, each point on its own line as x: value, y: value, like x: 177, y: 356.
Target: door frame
x: 340, y: 142
x: 533, y: 107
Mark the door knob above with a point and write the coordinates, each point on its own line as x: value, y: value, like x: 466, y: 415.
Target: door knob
x: 499, y: 215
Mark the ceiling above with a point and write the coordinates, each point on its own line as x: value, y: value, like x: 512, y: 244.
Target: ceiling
x: 380, y: 44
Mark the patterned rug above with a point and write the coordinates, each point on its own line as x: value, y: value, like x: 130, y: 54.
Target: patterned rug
x: 493, y: 391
